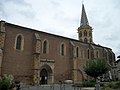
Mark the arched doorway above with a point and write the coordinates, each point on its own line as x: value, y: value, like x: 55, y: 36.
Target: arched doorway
x: 45, y: 74
x: 80, y: 75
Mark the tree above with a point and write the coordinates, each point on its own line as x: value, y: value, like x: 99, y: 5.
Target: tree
x: 96, y: 67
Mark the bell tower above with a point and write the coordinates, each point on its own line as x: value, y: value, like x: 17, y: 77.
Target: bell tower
x: 85, y: 30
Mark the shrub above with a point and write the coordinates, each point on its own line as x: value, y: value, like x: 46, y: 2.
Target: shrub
x: 89, y: 83
x: 6, y: 82
x: 113, y: 85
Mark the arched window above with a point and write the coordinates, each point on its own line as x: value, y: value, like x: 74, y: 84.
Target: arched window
x: 88, y: 54
x: 90, y: 34
x: 85, y: 33
x: 85, y: 40
x: 110, y: 56
x: 80, y: 39
x: 62, y: 49
x: 19, y: 42
x: 107, y: 56
x: 90, y: 40
x: 92, y: 54
x: 80, y: 34
x: 97, y: 54
x: 45, y: 46
x: 77, y: 51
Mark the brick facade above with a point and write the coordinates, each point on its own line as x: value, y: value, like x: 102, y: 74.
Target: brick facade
x: 25, y: 65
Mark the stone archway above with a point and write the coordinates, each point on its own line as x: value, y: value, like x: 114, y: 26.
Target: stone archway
x: 43, y: 76
x: 46, y: 74
x: 82, y: 74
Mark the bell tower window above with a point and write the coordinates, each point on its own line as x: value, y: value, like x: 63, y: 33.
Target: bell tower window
x: 85, y: 33
x: 90, y: 34
x: 80, y: 34
x: 85, y: 40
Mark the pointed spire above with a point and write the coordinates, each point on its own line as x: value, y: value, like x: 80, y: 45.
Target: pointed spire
x: 84, y: 20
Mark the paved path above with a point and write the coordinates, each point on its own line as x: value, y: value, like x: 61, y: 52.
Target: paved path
x: 54, y: 87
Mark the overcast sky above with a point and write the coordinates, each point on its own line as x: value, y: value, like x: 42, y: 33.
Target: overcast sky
x: 62, y: 17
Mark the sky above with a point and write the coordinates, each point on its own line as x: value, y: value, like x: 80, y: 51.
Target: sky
x: 62, y: 17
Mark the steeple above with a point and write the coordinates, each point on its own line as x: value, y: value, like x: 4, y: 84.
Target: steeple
x: 84, y: 20
x: 85, y: 31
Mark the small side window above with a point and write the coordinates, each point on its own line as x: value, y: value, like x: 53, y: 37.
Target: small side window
x: 19, y: 42
x: 62, y: 49
x: 45, y: 46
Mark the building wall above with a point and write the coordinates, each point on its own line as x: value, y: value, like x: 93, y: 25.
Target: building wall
x: 20, y: 63
x: 62, y: 63
x: 118, y: 71
x: 16, y: 62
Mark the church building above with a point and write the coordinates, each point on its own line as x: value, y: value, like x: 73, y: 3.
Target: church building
x: 38, y: 57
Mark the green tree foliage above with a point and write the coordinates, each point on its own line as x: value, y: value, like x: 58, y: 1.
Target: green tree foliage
x: 96, y: 67
x: 6, y: 82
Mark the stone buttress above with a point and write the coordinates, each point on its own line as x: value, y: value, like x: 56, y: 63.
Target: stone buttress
x: 2, y: 41
x: 36, y: 57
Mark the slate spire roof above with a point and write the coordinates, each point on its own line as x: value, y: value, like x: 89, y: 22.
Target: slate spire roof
x: 84, y: 20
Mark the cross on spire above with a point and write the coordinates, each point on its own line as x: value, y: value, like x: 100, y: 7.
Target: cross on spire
x: 82, y: 1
